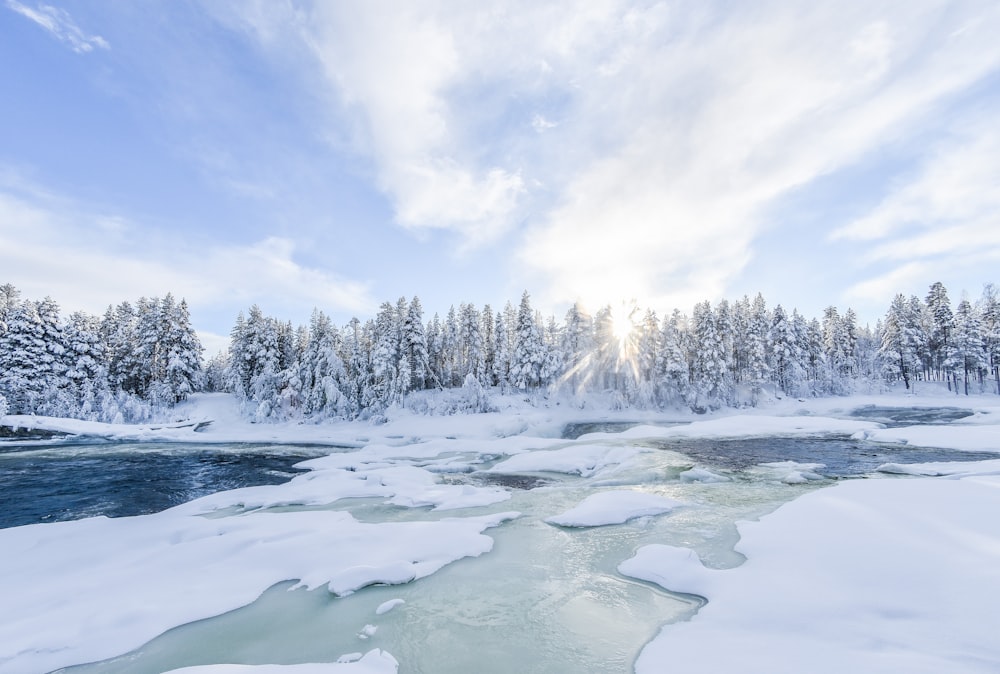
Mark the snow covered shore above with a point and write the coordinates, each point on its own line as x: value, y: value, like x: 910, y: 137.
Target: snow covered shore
x: 891, y: 574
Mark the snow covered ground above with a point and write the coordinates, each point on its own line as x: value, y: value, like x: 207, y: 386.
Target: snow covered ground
x: 886, y: 574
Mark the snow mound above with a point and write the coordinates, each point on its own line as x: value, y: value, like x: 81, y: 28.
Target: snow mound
x: 614, y: 507
x: 701, y: 475
x: 387, y: 606
x: 583, y: 460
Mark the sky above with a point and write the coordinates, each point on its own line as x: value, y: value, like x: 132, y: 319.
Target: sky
x: 337, y: 155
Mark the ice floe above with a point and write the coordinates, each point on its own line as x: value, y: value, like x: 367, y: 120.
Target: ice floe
x: 614, y: 507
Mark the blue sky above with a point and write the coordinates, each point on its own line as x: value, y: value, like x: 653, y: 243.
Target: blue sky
x: 337, y: 155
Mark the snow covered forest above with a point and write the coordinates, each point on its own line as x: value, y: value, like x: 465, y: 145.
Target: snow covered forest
x: 126, y: 366
x: 138, y: 360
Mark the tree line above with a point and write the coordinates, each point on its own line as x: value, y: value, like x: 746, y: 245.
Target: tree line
x: 145, y: 357
x: 732, y: 353
x: 123, y: 367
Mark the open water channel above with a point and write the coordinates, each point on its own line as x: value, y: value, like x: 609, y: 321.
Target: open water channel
x: 545, y: 599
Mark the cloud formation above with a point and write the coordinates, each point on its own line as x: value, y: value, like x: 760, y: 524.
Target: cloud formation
x: 87, y: 261
x: 635, y: 148
x: 60, y: 25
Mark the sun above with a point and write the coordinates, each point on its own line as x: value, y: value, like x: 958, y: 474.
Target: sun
x: 622, y: 326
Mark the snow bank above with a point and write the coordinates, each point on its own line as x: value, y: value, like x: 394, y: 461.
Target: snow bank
x: 90, y: 589
x: 614, y: 507
x: 943, y: 468
x: 373, y: 662
x: 873, y: 575
x: 978, y: 437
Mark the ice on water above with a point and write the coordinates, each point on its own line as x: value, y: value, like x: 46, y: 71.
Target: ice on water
x: 614, y: 507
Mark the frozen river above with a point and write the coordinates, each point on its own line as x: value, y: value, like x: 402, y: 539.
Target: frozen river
x: 546, y: 598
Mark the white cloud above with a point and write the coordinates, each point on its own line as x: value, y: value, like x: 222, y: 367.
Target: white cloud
x: 720, y: 116
x: 958, y: 184
x: 678, y: 125
x: 87, y: 262
x: 61, y: 25
x: 941, y: 222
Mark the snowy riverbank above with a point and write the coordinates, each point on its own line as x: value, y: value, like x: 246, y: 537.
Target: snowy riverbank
x: 892, y: 574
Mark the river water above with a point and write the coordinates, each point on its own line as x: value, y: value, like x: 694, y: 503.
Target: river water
x: 545, y: 599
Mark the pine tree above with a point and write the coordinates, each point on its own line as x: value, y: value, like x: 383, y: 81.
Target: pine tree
x: 415, y: 346
x: 675, y: 377
x: 725, y: 328
x: 528, y: 356
x: 577, y: 347
x: 968, y: 352
x: 502, y: 357
x: 786, y: 360
x: 941, y: 324
x: 989, y: 311
x: 488, y: 330
x: 450, y: 349
x: 900, y: 341
x: 22, y: 358
x: 86, y: 372
x: 708, y: 359
x: 471, y: 348
x: 758, y: 368
x: 387, y: 388
x: 182, y: 352
x: 554, y: 365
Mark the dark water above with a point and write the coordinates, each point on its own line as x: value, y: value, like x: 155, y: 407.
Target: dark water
x: 842, y: 457
x: 64, y: 482
x: 889, y: 416
x: 910, y: 416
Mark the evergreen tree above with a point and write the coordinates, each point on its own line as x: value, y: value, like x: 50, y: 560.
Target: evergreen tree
x: 471, y: 348
x: 708, y: 358
x: 968, y: 353
x: 182, y: 352
x: 674, y: 383
x: 759, y: 327
x: 502, y: 357
x: 488, y: 330
x: 785, y: 352
x: 577, y: 346
x: 528, y: 356
x: 554, y: 361
x: 22, y: 359
x: 989, y: 311
x: 900, y: 341
x: 415, y: 346
x: 941, y: 324
x: 387, y: 385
